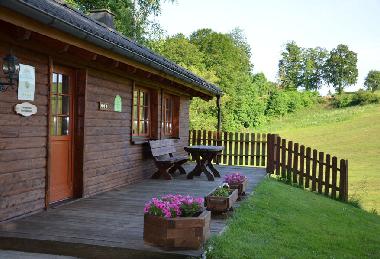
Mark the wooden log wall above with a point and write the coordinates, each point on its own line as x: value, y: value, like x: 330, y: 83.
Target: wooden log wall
x: 110, y: 158
x: 307, y: 167
x: 247, y: 149
x: 23, y: 143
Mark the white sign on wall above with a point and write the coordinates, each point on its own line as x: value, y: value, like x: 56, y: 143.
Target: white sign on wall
x: 26, y: 82
x: 26, y: 109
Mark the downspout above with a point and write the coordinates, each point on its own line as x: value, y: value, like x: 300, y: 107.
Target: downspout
x: 219, y: 126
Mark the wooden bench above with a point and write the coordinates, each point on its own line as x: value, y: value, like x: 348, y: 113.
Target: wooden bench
x: 166, y: 161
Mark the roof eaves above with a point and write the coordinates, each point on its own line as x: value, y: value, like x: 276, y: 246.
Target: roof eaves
x: 76, y: 23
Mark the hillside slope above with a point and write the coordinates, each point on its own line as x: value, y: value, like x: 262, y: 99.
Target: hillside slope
x: 351, y: 133
x: 281, y: 221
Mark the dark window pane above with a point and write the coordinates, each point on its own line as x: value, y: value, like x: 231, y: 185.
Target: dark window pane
x: 63, y: 105
x: 63, y: 125
x: 65, y: 84
x: 146, y: 99
x: 146, y: 127
x: 146, y: 113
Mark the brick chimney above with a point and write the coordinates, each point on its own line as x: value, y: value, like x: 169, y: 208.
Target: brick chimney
x: 104, y: 16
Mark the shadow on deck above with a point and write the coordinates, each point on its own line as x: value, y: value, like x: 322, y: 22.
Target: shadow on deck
x: 110, y: 224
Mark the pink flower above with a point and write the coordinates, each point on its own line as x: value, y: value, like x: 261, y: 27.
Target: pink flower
x: 173, y: 205
x: 234, y: 178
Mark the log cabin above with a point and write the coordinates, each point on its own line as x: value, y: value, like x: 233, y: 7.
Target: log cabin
x: 79, y: 104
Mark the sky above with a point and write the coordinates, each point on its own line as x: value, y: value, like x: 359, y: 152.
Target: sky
x: 270, y: 24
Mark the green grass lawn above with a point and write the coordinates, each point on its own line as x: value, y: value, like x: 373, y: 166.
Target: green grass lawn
x: 351, y: 133
x: 281, y: 221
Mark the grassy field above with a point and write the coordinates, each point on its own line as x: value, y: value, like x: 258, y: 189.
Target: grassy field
x: 280, y: 221
x: 351, y: 133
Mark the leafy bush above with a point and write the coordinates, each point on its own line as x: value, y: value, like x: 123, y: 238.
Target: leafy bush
x: 294, y: 100
x: 310, y: 98
x: 282, y: 102
x: 277, y: 104
x: 364, y: 97
x: 342, y: 100
x: 359, y: 98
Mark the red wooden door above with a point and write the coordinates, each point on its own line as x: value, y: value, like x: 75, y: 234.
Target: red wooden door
x: 61, y: 134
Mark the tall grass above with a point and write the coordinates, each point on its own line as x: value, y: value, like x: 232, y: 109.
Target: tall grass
x: 349, y: 133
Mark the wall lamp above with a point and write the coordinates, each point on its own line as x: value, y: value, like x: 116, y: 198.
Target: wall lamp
x: 11, y: 67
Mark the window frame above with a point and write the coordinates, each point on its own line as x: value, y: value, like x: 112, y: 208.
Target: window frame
x: 164, y: 115
x: 148, y: 92
x: 56, y: 110
x: 175, y: 114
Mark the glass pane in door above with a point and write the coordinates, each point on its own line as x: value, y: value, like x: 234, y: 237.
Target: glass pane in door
x: 60, y: 105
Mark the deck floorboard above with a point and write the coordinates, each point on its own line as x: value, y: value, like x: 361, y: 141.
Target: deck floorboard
x: 110, y: 224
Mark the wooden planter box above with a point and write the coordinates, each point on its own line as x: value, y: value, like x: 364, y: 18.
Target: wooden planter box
x: 221, y: 204
x: 240, y: 187
x: 177, y: 233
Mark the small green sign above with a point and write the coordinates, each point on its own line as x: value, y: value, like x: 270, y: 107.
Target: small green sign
x: 117, y: 103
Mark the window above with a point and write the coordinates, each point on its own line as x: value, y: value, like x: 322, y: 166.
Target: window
x: 170, y: 115
x: 60, y: 104
x: 167, y: 117
x: 141, y: 113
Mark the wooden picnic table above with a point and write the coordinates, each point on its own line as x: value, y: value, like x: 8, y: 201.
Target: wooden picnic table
x: 204, y: 155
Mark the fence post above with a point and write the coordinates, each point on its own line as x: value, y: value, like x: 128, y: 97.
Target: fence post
x: 277, y: 154
x: 343, y: 188
x: 270, y: 153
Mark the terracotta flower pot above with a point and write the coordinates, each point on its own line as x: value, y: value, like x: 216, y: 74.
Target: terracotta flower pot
x: 221, y: 204
x: 177, y: 233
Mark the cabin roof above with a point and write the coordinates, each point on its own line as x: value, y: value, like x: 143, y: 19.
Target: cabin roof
x: 71, y: 21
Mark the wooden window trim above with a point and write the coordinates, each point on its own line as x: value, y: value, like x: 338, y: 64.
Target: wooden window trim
x: 175, y: 103
x: 167, y: 107
x: 147, y: 135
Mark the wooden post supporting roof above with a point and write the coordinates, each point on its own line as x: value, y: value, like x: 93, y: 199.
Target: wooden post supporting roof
x: 219, y: 127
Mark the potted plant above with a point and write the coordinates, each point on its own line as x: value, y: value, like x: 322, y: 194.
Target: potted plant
x: 237, y: 181
x: 221, y: 199
x: 176, y: 222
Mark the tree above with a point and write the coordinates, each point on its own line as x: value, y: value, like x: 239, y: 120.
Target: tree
x: 229, y: 56
x: 133, y: 18
x: 341, y: 68
x: 312, y: 68
x: 290, y: 66
x: 179, y: 49
x: 372, y: 81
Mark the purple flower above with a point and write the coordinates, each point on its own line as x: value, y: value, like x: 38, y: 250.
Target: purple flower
x: 234, y: 178
x: 173, y: 205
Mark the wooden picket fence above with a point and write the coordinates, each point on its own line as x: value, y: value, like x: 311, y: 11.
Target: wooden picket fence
x: 307, y: 168
x: 295, y: 163
x: 245, y: 149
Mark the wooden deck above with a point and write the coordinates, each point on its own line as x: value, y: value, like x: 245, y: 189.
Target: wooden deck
x: 110, y: 224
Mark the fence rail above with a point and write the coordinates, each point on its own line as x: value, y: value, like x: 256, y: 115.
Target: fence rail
x: 247, y: 149
x: 308, y: 168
